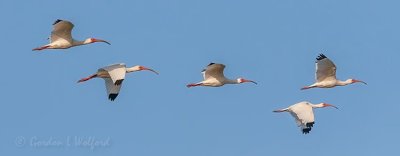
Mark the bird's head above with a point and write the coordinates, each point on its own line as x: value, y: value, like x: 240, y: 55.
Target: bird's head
x: 93, y: 40
x: 355, y: 81
x: 140, y: 68
x: 242, y: 80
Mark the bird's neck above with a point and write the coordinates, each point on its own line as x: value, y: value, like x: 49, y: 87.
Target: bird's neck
x: 317, y: 105
x: 230, y: 81
x: 132, y: 69
x: 343, y: 83
x: 77, y: 43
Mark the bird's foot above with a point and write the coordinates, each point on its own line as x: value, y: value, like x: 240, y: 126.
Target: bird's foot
x: 279, y: 110
x: 192, y: 85
x: 87, y: 78
x: 40, y: 48
x: 83, y: 80
x: 306, y: 87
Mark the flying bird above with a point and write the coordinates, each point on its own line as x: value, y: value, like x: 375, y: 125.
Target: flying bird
x: 61, y: 37
x: 303, y: 114
x: 325, y: 75
x: 214, y: 77
x: 113, y: 76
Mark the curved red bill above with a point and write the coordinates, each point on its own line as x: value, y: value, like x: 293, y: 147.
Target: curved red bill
x: 145, y: 68
x: 329, y: 105
x: 354, y: 81
x: 99, y: 40
x: 244, y: 80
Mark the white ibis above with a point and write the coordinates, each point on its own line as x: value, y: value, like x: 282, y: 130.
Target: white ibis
x: 214, y: 77
x: 113, y: 76
x: 303, y: 114
x: 326, y: 75
x: 61, y: 38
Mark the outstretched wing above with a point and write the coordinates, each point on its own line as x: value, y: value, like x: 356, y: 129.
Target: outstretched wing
x: 61, y: 30
x: 116, y: 71
x: 303, y: 115
x: 214, y: 70
x: 325, y: 68
x: 112, y: 90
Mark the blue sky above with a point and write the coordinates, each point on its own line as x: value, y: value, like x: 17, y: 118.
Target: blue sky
x: 273, y: 42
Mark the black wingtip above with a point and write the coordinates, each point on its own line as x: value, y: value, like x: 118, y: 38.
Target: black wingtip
x: 310, y: 124
x: 210, y: 64
x: 306, y: 130
x: 57, y: 21
x: 118, y: 82
x: 112, y: 96
x: 321, y: 56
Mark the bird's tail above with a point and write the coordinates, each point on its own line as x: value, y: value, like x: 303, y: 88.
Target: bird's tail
x: 87, y: 78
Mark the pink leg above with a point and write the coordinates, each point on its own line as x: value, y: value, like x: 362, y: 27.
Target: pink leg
x: 306, y: 87
x: 41, y: 48
x: 193, y: 85
x: 87, y: 78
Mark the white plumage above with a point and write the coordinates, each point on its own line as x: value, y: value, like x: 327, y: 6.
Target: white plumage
x: 303, y: 114
x: 112, y: 89
x: 113, y: 76
x: 325, y: 75
x: 213, y: 76
x: 116, y: 71
x: 62, y: 31
x: 61, y: 37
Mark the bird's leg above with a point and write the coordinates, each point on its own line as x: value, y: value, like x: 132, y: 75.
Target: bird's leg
x: 280, y: 110
x: 41, y: 48
x: 307, y: 87
x: 194, y: 85
x: 87, y: 78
